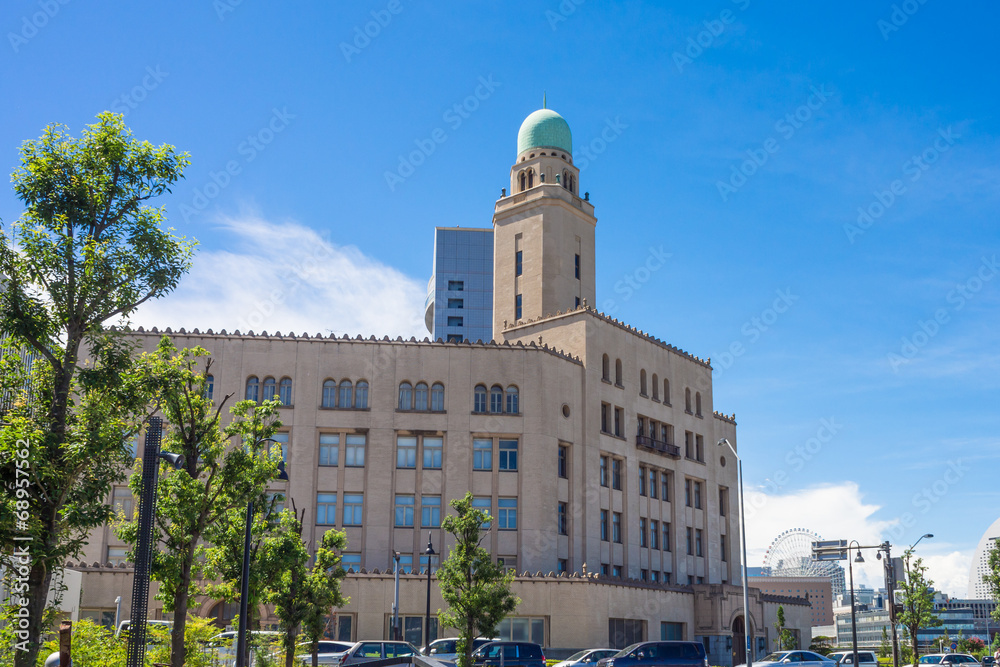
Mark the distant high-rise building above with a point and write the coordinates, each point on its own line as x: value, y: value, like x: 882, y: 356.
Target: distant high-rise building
x: 977, y: 587
x: 460, y: 294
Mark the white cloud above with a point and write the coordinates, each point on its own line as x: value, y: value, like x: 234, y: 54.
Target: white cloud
x: 838, y: 511
x: 286, y: 277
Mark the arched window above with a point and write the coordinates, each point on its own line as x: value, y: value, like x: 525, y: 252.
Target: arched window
x: 420, y: 396
x: 361, y: 395
x: 329, y: 393
x: 606, y: 368
x: 656, y: 387
x: 512, y: 402
x: 565, y: 179
x: 523, y: 180
x: 496, y: 398
x: 405, y: 396
x: 531, y: 178
x: 572, y: 183
x: 687, y: 400
x: 253, y: 389
x: 642, y: 382
x: 697, y: 403
x: 437, y: 397
x: 666, y: 391
x: 270, y: 389
x: 618, y: 372
x: 209, y: 386
x: 344, y: 396
x: 479, y: 398
x: 285, y: 391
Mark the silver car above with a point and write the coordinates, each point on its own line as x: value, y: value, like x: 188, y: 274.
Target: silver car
x: 795, y: 659
x: 374, y: 650
x: 587, y: 657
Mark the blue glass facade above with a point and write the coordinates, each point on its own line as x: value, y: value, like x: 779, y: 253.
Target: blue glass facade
x: 460, y: 293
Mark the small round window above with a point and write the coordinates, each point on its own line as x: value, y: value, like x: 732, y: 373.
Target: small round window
x: 565, y: 410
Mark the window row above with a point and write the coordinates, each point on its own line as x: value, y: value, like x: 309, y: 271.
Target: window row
x: 281, y: 389
x: 497, y: 400
x: 693, y: 493
x: 415, y: 397
x: 644, y: 391
x: 659, y: 432
x: 694, y: 446
x: 345, y: 394
x: 652, y: 534
x: 612, y: 420
x: 655, y: 483
x: 606, y: 370
x: 483, y: 450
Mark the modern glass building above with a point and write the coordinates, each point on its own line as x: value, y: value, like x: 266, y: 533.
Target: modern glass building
x: 459, y: 302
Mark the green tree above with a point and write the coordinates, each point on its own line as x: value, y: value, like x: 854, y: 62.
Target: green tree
x: 87, y: 249
x: 216, y: 478
x: 992, y: 576
x: 302, y: 597
x: 785, y: 639
x: 822, y: 644
x: 885, y: 646
x: 475, y: 588
x: 918, y: 600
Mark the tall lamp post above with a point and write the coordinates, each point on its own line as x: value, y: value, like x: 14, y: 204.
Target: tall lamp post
x: 395, y: 598
x: 241, y: 637
x: 854, y: 618
x: 427, y: 617
x: 743, y: 537
x: 907, y: 564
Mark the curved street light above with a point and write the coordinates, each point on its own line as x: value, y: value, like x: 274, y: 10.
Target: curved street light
x: 743, y: 537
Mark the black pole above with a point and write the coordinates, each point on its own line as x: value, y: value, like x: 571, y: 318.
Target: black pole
x: 427, y: 616
x: 241, y: 637
x: 144, y: 545
x: 890, y: 586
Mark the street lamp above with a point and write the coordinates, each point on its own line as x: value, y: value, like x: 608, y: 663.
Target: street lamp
x: 906, y: 564
x: 914, y: 545
x: 743, y: 536
x: 854, y: 619
x: 241, y: 637
x: 395, y: 599
x: 427, y: 618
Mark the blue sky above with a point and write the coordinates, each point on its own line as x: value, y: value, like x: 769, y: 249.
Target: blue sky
x: 866, y: 210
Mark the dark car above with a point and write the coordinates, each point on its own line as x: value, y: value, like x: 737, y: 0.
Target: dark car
x: 659, y: 654
x: 509, y: 654
x: 374, y: 650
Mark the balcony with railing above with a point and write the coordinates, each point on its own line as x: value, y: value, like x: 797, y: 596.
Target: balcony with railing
x: 658, y: 446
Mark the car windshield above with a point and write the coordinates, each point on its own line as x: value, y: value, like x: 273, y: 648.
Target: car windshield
x: 930, y: 660
x: 577, y: 655
x: 774, y: 657
x: 625, y: 651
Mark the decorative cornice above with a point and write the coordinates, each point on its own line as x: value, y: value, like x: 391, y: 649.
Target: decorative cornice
x: 722, y: 416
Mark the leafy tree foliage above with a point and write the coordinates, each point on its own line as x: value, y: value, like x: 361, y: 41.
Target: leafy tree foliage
x: 88, y: 248
x: 216, y: 477
x: 822, y: 644
x: 992, y: 576
x: 476, y: 589
x: 918, y: 600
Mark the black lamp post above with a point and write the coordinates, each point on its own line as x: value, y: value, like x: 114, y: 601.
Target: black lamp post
x: 854, y: 620
x: 241, y: 637
x: 427, y: 617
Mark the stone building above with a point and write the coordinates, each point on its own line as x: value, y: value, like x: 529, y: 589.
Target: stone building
x: 591, y: 443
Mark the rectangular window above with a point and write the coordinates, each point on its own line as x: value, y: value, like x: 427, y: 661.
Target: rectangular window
x: 116, y: 555
x: 624, y: 632
x: 667, y: 432
x: 604, y: 525
x: 517, y: 307
x: 282, y: 440
x: 576, y: 266
x: 654, y: 534
x: 652, y: 484
x: 619, y: 421
x: 405, y: 563
x: 430, y: 511
x: 456, y: 303
x: 518, y: 263
x: 699, y: 448
x: 563, y: 519
x: 642, y: 480
x: 643, y: 575
x: 454, y: 338
x: 697, y: 542
x: 404, y: 511
x: 455, y: 321
x: 486, y: 505
x: 605, y: 418
x: 433, y: 565
x: 616, y: 527
x: 456, y: 285
x: 508, y: 455
x: 616, y: 474
x: 507, y: 511
x: 354, y: 456
x: 562, y: 565
x: 665, y: 486
x: 562, y: 466
x: 604, y: 471
x: 482, y: 454
x: 605, y: 569
x: 670, y: 631
x: 688, y: 444
x: 655, y: 577
x: 666, y: 536
x: 522, y: 628
x: 353, y: 508
x: 690, y: 541
x: 508, y: 562
x: 723, y: 500
x: 326, y: 509
x: 329, y: 449
x: 406, y: 451
x: 722, y: 544
x: 643, y: 540
x: 351, y: 562
x: 122, y: 502
x: 433, y: 448
x: 697, y: 495
x: 687, y: 493
x: 616, y: 571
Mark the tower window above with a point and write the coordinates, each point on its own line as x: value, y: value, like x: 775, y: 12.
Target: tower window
x: 517, y: 307
x: 531, y: 178
x: 518, y: 263
x: 523, y: 180
x: 456, y: 285
x: 576, y: 266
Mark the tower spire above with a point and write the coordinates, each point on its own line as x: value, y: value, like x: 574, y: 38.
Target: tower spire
x: 543, y: 100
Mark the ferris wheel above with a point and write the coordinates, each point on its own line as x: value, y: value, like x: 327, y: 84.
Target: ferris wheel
x: 790, y: 555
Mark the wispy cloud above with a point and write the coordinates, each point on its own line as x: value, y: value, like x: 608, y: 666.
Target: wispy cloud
x: 285, y: 276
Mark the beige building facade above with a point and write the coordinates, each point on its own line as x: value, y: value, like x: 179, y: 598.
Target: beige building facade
x: 592, y: 444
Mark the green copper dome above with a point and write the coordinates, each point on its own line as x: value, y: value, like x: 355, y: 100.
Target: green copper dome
x: 544, y: 128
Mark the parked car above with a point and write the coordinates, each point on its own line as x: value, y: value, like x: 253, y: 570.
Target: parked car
x: 659, y: 654
x: 124, y: 626
x: 374, y: 650
x: 447, y: 649
x: 328, y: 653
x: 947, y: 659
x: 588, y: 656
x: 797, y: 658
x: 511, y: 654
x: 847, y: 657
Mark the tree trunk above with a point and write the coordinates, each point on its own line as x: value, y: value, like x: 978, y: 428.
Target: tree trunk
x: 39, y: 579
x: 178, y: 651
x: 289, y: 642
